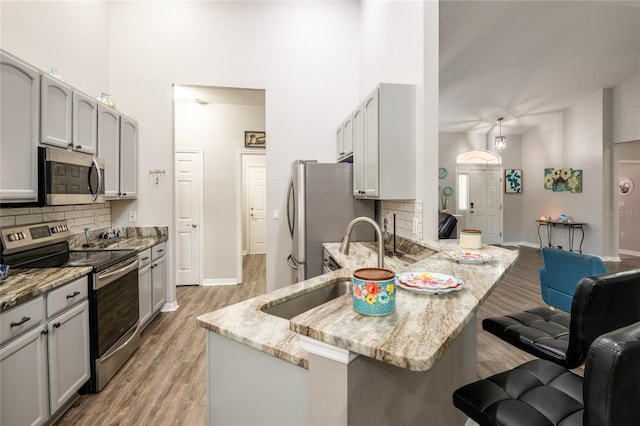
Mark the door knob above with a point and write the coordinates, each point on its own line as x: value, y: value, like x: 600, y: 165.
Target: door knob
x: 194, y: 225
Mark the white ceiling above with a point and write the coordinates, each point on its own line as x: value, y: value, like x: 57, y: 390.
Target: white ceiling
x: 523, y: 60
x: 218, y: 95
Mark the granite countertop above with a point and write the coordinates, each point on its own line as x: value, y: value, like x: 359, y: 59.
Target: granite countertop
x: 24, y: 284
x: 413, y: 337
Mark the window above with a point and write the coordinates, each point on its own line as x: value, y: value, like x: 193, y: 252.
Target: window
x: 463, y: 192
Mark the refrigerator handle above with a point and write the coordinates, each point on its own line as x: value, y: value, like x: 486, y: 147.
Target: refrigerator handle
x: 292, y: 262
x: 291, y: 205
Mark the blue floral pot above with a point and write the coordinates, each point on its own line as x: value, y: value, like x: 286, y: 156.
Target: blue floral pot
x: 374, y: 291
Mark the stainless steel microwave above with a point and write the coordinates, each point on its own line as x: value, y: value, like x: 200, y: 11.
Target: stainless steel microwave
x: 67, y: 177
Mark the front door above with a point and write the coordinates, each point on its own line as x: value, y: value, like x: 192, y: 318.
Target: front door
x: 485, y: 204
x: 188, y: 211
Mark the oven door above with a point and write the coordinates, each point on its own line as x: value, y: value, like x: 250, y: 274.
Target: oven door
x: 116, y: 303
x: 69, y: 177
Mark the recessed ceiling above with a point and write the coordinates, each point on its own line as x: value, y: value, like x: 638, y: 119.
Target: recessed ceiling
x: 218, y: 95
x: 524, y: 60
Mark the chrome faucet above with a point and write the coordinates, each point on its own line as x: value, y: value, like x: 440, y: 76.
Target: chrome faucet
x: 344, y: 247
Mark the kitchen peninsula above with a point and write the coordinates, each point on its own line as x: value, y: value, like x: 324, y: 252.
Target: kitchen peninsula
x: 331, y: 365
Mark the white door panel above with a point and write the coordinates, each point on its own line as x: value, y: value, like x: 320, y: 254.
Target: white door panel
x: 188, y: 217
x: 257, y: 209
x: 485, y: 204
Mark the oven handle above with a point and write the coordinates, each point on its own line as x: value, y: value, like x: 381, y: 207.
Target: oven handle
x: 103, y: 279
x: 108, y: 355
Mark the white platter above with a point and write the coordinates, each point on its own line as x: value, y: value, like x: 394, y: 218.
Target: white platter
x: 465, y: 256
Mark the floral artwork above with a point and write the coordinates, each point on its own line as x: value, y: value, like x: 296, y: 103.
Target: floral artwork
x: 513, y: 181
x: 563, y: 180
x: 373, y: 294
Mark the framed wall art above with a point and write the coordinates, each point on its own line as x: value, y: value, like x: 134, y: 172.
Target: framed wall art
x: 254, y: 139
x: 513, y: 181
x: 563, y: 179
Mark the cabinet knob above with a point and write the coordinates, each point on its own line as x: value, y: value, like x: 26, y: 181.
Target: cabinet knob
x: 44, y: 332
x: 57, y: 325
x: 78, y: 147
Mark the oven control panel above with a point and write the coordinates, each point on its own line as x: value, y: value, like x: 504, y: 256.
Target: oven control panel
x: 19, y: 238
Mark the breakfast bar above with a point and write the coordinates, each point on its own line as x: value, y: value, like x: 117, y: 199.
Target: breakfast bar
x: 339, y: 365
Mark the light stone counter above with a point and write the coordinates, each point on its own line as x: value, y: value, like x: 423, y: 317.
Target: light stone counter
x: 412, y: 338
x: 24, y: 284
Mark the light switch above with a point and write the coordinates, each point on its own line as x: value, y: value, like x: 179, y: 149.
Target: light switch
x: 276, y: 215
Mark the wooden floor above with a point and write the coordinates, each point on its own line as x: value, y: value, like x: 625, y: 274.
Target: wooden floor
x: 164, y: 382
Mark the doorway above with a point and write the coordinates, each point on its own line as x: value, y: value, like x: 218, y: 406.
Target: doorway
x: 628, y: 185
x: 216, y: 121
x: 254, y: 197
x: 479, y: 193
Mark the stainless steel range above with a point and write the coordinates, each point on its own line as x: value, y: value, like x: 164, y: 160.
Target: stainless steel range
x: 113, y: 290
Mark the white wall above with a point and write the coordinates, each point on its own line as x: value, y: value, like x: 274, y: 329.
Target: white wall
x: 626, y: 110
x: 576, y: 138
x: 304, y: 54
x: 218, y: 129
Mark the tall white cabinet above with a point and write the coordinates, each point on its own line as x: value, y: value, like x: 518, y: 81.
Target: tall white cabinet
x: 384, y: 158
x: 19, y: 132
x: 128, y: 164
x: 152, y: 274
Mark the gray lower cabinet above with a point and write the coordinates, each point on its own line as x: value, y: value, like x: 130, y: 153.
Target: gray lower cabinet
x: 151, y: 282
x: 44, y: 355
x: 145, y: 287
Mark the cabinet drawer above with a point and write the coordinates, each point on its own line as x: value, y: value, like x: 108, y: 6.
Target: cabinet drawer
x: 144, y: 258
x: 158, y: 251
x: 21, y: 318
x: 67, y: 296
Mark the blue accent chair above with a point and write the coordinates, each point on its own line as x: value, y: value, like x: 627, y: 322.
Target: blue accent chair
x: 561, y: 274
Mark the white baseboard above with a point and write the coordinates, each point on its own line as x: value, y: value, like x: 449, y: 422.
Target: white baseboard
x: 169, y: 307
x: 630, y: 252
x: 219, y: 281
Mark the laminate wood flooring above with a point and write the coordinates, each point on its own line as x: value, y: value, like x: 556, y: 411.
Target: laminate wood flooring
x: 164, y: 382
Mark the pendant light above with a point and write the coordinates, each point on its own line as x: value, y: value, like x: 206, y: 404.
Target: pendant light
x: 501, y: 141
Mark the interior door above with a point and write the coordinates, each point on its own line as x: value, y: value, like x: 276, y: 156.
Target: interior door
x: 188, y: 217
x: 257, y: 207
x: 485, y: 204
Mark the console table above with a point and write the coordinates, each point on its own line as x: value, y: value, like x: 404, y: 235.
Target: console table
x: 572, y: 226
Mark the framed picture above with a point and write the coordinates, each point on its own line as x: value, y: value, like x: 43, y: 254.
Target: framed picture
x: 512, y: 181
x: 255, y: 139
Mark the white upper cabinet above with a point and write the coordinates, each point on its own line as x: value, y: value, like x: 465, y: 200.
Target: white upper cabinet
x: 385, y: 158
x: 358, y: 148
x: 55, y: 118
x: 85, y: 123
x: 109, y: 149
x: 19, y: 132
x: 128, y: 157
x: 344, y: 139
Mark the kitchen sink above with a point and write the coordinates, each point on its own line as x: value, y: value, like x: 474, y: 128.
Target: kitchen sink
x: 307, y: 301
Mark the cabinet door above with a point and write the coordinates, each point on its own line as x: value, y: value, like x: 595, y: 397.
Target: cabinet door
x: 371, y: 144
x: 145, y: 290
x: 128, y: 157
x: 158, y: 278
x: 19, y: 137
x: 109, y: 149
x: 347, y: 145
x: 23, y: 388
x: 339, y: 142
x: 358, y: 152
x: 85, y: 123
x: 68, y: 354
x: 55, y: 118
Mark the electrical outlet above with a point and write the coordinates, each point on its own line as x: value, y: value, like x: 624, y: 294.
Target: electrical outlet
x: 132, y: 216
x: 415, y: 225
x: 96, y: 219
x: 622, y: 234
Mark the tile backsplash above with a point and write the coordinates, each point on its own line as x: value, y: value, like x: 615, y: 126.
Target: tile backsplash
x: 93, y: 216
x: 408, y: 213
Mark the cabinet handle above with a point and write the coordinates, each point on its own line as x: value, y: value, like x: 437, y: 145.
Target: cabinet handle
x: 22, y: 321
x: 124, y: 194
x: 154, y: 265
x: 44, y: 332
x: 57, y: 325
x: 78, y: 147
x: 74, y: 294
x: 161, y: 250
x: 70, y: 145
x: 145, y: 258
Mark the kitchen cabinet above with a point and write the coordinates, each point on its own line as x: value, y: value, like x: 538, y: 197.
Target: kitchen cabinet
x: 44, y: 360
x: 109, y: 149
x: 344, y: 139
x: 128, y: 163
x: 55, y: 112
x: 85, y: 123
x: 358, y: 148
x: 145, y: 287
x: 385, y: 160
x: 19, y: 132
x: 158, y: 276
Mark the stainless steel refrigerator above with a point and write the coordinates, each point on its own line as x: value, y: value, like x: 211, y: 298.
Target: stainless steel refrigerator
x: 320, y: 205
